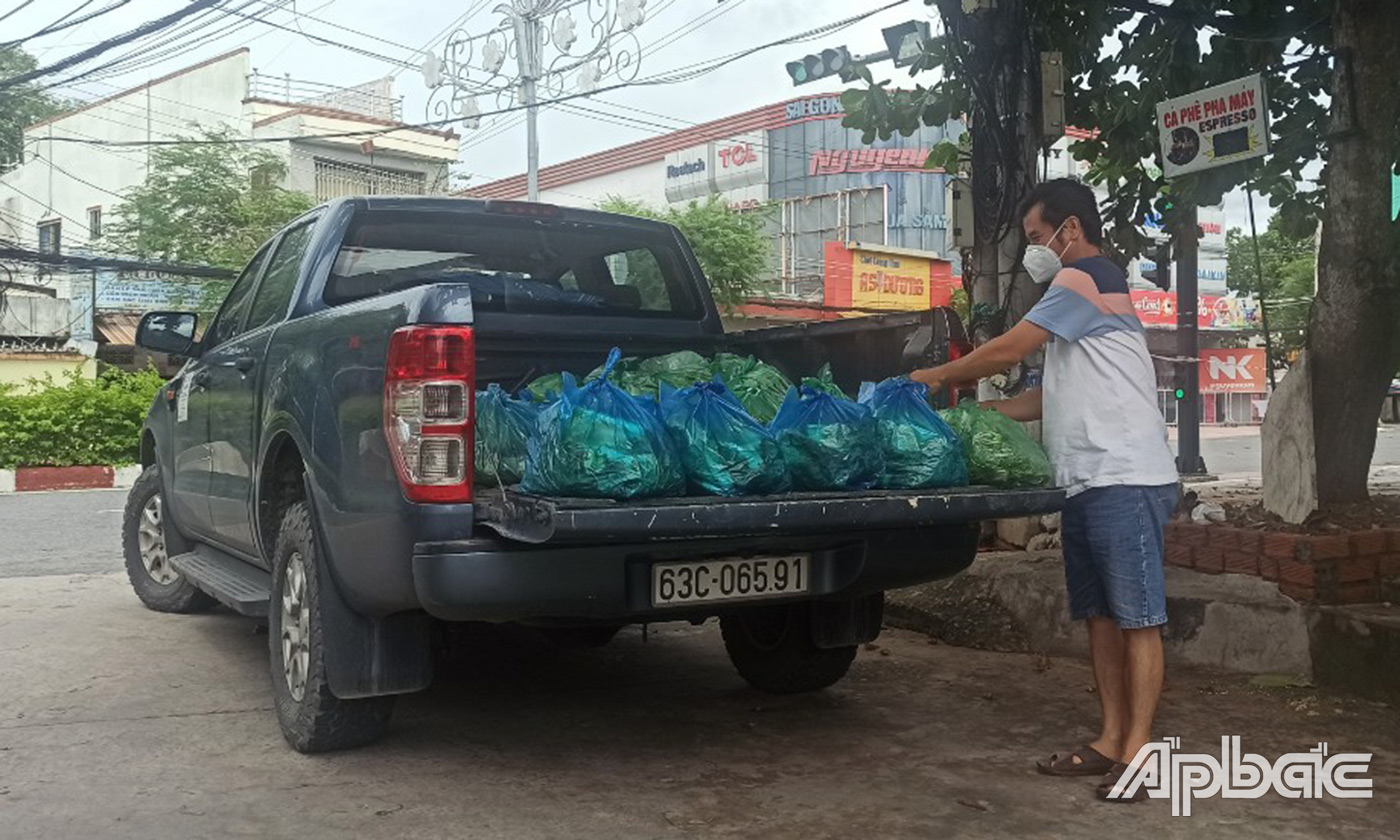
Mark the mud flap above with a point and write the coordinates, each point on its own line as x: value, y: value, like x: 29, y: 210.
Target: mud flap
x: 853, y: 621
x: 368, y: 657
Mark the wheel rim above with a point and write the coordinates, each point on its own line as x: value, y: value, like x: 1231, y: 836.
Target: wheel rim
x: 296, y: 626
x: 150, y: 535
x: 766, y: 628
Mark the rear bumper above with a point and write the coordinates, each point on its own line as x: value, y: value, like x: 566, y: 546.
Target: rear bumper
x: 495, y: 580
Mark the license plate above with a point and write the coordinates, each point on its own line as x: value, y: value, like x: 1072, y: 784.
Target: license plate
x: 706, y: 581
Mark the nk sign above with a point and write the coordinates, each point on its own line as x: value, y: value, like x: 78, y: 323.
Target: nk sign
x: 1213, y: 127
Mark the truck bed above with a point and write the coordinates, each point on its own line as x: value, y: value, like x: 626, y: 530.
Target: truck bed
x: 540, y: 519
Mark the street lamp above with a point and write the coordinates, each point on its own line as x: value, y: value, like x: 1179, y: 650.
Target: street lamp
x: 552, y: 49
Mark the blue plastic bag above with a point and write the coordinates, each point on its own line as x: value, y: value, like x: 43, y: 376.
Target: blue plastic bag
x: 919, y: 448
x: 503, y: 428
x: 725, y: 451
x: 598, y: 441
x: 829, y: 443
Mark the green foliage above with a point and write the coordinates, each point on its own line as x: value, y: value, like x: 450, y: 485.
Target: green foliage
x: 22, y: 105
x: 1120, y: 64
x: 210, y: 202
x: 76, y: 421
x: 732, y: 248
x: 1290, y: 267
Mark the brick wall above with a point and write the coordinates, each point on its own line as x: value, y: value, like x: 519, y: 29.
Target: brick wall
x: 1347, y: 568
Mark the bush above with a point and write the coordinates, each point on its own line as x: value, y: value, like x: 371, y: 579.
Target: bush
x: 76, y: 421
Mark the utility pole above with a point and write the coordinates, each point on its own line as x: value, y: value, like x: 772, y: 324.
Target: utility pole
x: 1188, y: 409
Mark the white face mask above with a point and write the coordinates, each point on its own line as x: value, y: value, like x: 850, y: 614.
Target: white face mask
x: 1041, y: 261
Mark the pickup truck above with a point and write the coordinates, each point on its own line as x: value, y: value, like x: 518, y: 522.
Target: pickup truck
x: 311, y: 464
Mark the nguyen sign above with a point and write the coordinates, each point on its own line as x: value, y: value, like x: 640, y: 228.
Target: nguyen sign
x: 1212, y: 127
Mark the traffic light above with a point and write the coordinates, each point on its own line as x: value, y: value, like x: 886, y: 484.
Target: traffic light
x: 1161, y: 272
x: 1181, y: 380
x: 830, y: 62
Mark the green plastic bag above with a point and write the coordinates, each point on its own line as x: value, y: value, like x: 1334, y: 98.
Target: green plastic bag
x: 725, y: 451
x: 503, y: 428
x: 628, y: 375
x: 824, y: 383
x: 759, y: 388
x: 547, y: 388
x: 598, y: 441
x: 679, y: 370
x: 920, y: 449
x: 828, y: 443
x: 999, y: 452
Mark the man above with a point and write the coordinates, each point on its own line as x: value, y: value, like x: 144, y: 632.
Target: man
x: 1108, y: 442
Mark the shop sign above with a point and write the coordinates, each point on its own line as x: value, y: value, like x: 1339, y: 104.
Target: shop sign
x: 1214, y: 127
x: 868, y: 278
x: 838, y: 161
x: 819, y: 106
x: 1241, y: 370
x: 1159, y: 309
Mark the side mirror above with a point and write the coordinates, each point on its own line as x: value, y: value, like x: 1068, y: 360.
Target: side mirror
x: 168, y: 332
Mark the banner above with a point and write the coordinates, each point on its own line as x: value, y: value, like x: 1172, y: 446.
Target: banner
x: 1159, y: 309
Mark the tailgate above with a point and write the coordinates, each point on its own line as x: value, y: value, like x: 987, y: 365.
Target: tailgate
x: 540, y: 519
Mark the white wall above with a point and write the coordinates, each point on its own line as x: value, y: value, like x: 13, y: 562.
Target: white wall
x: 645, y: 183
x: 50, y: 184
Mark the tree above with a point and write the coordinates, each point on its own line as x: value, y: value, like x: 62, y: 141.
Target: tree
x: 206, y: 201
x: 22, y: 105
x: 731, y: 246
x: 1289, y: 271
x: 1124, y: 56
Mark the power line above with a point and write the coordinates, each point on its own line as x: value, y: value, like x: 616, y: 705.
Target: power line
x: 59, y: 25
x: 297, y: 13
x: 92, y: 52
x: 318, y: 39
x: 671, y: 77
x: 18, y: 8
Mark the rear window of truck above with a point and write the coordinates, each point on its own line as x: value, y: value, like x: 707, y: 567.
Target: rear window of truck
x: 516, y: 265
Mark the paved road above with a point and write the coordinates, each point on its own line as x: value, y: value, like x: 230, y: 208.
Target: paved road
x: 1238, y: 454
x: 117, y: 722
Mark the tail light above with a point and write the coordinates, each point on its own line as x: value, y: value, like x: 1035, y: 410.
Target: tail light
x: 429, y: 396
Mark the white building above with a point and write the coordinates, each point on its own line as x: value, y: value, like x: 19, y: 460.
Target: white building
x: 59, y: 197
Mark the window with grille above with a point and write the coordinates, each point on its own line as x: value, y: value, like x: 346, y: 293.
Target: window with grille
x: 809, y: 223
x: 94, y: 223
x: 336, y: 179
x: 50, y: 236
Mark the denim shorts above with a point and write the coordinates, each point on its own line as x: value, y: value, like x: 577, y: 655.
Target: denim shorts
x: 1112, y: 539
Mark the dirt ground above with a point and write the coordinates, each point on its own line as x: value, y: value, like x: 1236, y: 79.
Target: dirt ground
x: 117, y: 722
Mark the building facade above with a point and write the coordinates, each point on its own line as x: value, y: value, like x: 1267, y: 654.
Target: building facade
x: 77, y: 165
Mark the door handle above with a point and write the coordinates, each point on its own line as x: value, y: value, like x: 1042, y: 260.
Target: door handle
x: 244, y: 363
x: 201, y: 379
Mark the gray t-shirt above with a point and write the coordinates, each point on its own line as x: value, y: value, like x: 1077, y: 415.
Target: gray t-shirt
x: 1101, y: 423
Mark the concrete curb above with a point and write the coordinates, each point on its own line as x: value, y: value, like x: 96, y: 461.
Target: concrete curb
x: 42, y: 479
x: 1017, y: 602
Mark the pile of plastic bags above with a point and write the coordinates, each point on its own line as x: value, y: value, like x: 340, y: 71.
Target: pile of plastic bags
x: 734, y: 426
x: 599, y: 441
x: 999, y: 451
x: 920, y: 450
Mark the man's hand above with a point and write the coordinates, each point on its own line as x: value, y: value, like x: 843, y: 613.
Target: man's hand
x: 932, y: 377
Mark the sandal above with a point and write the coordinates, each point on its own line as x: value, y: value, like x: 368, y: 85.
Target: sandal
x: 1091, y: 763
x: 1110, y: 782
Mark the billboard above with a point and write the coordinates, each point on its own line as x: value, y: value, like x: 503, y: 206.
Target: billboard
x: 1159, y: 309
x: 1212, y: 127
x: 866, y: 277
x: 720, y: 167
x: 1227, y: 371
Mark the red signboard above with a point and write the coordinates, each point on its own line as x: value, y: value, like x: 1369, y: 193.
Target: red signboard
x: 837, y: 161
x: 1159, y: 309
x: 1224, y: 371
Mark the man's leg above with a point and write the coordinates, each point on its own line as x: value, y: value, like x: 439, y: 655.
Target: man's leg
x: 1108, y: 652
x: 1144, y: 686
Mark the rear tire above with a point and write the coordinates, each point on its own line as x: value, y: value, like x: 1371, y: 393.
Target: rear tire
x: 772, y: 649
x: 312, y: 718
x: 149, y: 540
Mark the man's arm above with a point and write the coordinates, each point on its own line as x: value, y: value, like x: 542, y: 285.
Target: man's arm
x: 993, y: 357
x: 1022, y: 407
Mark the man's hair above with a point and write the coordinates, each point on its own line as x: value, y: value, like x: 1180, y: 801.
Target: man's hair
x: 1064, y: 197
